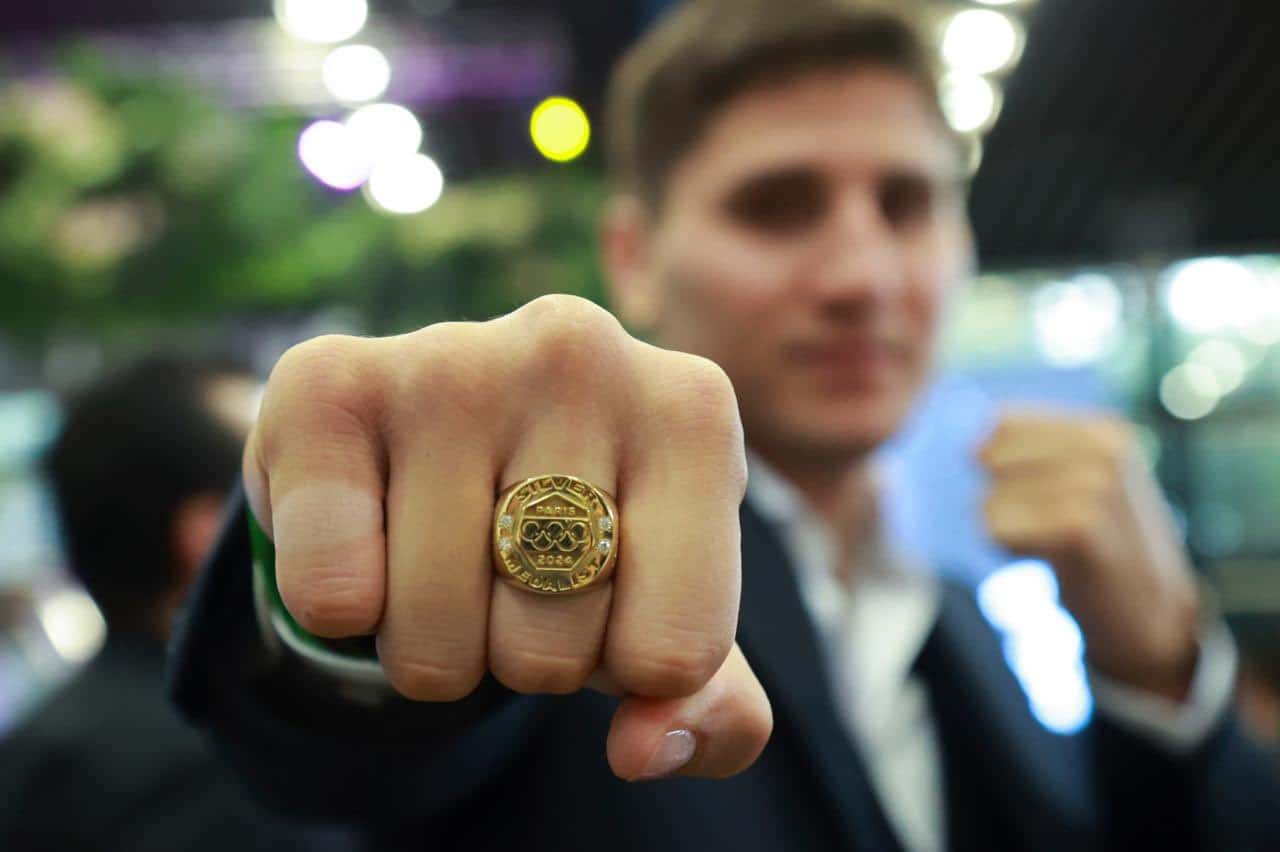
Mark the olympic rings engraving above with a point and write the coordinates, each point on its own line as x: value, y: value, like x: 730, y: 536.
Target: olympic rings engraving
x: 544, y: 536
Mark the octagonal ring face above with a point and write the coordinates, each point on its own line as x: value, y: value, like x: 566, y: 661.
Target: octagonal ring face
x: 555, y: 535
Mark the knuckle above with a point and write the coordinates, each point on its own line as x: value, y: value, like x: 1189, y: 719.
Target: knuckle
x: 323, y: 379
x: 431, y: 680
x: 561, y: 309
x: 668, y: 671
x: 571, y: 338
x: 531, y: 672
x: 320, y: 362
x: 332, y: 604
x: 700, y: 397
x: 699, y: 408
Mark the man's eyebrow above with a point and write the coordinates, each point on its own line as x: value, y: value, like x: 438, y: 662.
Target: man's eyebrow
x: 774, y: 172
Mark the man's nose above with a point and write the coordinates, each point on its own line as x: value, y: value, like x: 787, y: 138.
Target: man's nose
x: 857, y: 256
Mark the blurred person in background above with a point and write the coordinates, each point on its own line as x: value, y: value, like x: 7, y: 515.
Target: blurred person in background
x: 790, y: 225
x: 1259, y: 690
x: 140, y: 473
x: 1255, y: 622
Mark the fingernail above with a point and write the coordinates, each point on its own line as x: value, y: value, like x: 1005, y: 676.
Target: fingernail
x: 674, y: 750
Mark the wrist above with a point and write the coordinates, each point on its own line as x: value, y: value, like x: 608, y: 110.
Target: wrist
x: 1169, y: 680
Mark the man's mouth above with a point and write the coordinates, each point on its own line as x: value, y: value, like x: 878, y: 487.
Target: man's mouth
x: 857, y: 356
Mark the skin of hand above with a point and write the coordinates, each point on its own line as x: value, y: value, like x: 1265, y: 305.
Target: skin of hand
x: 375, y: 464
x: 1074, y: 491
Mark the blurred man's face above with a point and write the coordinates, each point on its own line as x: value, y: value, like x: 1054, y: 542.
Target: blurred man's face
x: 807, y: 245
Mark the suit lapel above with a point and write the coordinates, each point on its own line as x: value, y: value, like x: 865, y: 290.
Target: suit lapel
x: 1040, y: 783
x: 779, y: 640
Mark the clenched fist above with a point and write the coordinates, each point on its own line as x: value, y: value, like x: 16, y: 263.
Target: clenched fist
x: 1074, y: 491
x: 375, y: 466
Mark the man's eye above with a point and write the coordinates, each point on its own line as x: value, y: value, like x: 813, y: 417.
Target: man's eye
x: 780, y: 203
x: 907, y: 200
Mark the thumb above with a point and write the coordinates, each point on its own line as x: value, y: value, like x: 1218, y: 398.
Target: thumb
x: 716, y: 732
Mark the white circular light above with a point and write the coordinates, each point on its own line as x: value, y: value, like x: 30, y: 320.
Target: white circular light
x: 1003, y: 595
x: 73, y: 624
x: 1190, y: 391
x: 385, y: 131
x: 405, y: 185
x: 969, y: 101
x: 1263, y: 325
x: 322, y: 21
x: 1212, y: 294
x: 332, y: 153
x: 1076, y: 320
x: 355, y: 73
x: 1224, y: 359
x: 980, y: 41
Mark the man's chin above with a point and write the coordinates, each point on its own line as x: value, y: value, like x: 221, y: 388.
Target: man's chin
x: 828, y: 446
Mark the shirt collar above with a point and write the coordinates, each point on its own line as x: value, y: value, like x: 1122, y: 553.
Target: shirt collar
x: 775, y: 499
x: 871, y: 634
x: 781, y: 504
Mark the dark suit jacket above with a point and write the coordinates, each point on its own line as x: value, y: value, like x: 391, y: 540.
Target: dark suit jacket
x: 531, y: 774
x: 106, y: 764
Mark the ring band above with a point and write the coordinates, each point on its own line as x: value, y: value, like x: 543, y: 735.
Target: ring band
x: 555, y: 535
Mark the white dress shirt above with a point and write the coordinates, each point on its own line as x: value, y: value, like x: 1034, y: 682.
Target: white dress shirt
x: 872, y: 630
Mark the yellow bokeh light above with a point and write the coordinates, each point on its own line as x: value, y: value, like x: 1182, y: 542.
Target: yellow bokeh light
x: 560, y: 129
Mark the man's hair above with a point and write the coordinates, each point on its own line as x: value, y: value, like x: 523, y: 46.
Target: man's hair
x: 131, y: 449
x: 670, y: 85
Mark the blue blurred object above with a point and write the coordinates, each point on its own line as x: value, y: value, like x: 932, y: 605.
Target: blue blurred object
x: 933, y: 488
x: 933, y: 491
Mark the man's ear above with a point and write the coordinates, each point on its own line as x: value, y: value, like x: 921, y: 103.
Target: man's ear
x: 626, y: 237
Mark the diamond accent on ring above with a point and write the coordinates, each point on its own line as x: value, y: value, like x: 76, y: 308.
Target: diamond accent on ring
x: 505, y: 544
x: 506, y: 522
x: 606, y: 524
x: 604, y: 545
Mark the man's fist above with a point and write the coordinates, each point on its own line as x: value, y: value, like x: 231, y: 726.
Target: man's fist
x: 1074, y: 491
x: 375, y: 466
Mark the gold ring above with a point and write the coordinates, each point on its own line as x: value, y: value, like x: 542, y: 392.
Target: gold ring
x: 555, y: 535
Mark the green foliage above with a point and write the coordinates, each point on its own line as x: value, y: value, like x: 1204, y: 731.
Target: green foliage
x: 129, y: 204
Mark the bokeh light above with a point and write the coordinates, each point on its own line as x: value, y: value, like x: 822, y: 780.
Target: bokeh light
x: 322, y: 21
x: 980, y: 41
x: 1190, y: 391
x: 333, y: 154
x: 405, y: 185
x: 970, y: 102
x: 1212, y: 294
x: 1262, y: 326
x: 560, y: 129
x: 75, y: 627
x: 1076, y: 320
x: 385, y: 131
x: 355, y: 73
x: 1225, y: 359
